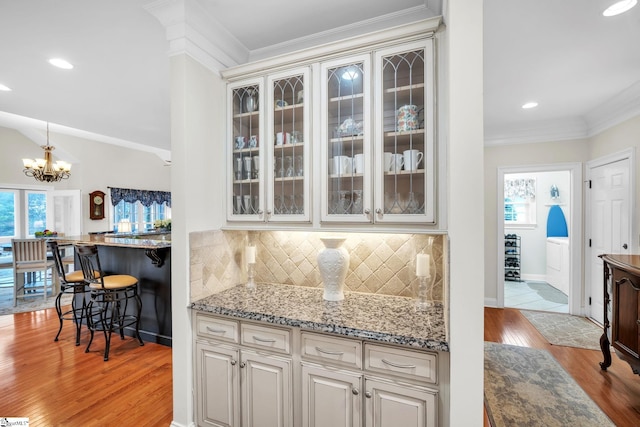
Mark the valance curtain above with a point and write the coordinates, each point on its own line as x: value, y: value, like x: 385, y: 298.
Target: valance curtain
x: 146, y: 197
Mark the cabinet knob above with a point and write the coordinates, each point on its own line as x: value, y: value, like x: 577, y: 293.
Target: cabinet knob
x: 355, y: 391
x: 233, y: 362
x: 242, y: 364
x: 260, y: 212
x: 268, y: 212
x: 367, y: 211
x: 379, y: 211
x: 367, y: 394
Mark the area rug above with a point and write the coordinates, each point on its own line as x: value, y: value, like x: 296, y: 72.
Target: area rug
x: 527, y: 387
x: 548, y: 292
x: 28, y: 304
x: 565, y: 329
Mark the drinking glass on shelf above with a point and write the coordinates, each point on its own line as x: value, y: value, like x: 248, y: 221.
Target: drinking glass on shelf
x: 299, y: 166
x: 299, y: 198
x: 357, y: 202
x: 288, y: 166
x: 237, y: 207
x: 247, y: 167
x: 237, y: 167
x: 277, y: 204
x: 344, y: 202
x: 248, y: 209
x: 279, y: 167
x: 256, y: 166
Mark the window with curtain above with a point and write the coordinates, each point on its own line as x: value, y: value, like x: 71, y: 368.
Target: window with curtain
x: 141, y: 208
x: 519, y: 201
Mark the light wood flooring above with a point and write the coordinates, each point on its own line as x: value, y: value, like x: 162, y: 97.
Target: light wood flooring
x: 616, y: 391
x: 58, y: 384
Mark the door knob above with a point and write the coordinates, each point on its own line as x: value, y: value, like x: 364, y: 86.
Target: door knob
x: 625, y: 246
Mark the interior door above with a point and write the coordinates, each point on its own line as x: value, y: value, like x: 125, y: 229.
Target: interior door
x: 66, y: 212
x: 609, y: 211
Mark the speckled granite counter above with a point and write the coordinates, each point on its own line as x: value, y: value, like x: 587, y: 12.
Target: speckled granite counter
x: 379, y: 318
x: 125, y: 242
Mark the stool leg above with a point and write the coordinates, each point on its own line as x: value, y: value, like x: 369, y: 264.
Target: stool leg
x: 78, y: 319
x: 107, y: 328
x: 59, y: 311
x: 90, y: 323
x: 139, y: 304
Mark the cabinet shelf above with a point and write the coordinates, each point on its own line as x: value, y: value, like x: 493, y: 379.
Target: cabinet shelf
x: 247, y: 150
x: 405, y: 173
x: 288, y: 178
x: 404, y: 88
x: 346, y: 176
x: 288, y: 147
x: 347, y: 97
x: 246, y: 181
x: 244, y: 115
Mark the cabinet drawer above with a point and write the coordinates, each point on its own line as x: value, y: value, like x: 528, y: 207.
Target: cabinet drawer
x: 220, y: 329
x: 406, y: 363
x: 257, y: 336
x: 334, y: 350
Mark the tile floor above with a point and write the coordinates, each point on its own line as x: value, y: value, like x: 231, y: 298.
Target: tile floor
x: 519, y: 295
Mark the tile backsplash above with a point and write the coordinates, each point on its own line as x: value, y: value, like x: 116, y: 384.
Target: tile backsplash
x: 379, y: 263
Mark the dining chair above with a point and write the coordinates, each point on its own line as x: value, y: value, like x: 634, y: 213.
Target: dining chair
x: 30, y: 256
x: 108, y: 307
x: 70, y: 284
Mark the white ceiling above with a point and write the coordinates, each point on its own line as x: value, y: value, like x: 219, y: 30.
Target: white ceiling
x: 580, y: 66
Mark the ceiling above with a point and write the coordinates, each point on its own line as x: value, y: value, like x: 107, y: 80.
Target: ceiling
x: 579, y: 66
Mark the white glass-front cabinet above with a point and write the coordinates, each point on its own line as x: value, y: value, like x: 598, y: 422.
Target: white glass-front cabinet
x: 405, y: 179
x: 405, y: 134
x: 270, y: 156
x: 289, y: 154
x: 246, y: 145
x: 345, y: 136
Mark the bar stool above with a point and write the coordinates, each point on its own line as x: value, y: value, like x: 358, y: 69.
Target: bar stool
x: 71, y: 283
x: 110, y: 296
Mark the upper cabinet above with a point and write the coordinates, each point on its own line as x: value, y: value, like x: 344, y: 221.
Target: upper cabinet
x: 336, y: 138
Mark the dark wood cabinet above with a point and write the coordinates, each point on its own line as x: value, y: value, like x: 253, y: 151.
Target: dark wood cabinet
x: 621, y: 309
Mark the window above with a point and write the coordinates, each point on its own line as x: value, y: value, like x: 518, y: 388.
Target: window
x: 519, y: 201
x: 141, y: 217
x: 8, y: 214
x: 22, y: 213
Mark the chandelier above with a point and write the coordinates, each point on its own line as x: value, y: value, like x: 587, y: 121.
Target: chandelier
x: 44, y: 169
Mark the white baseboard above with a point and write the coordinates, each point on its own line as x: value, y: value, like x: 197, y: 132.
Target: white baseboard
x: 535, y: 277
x: 491, y: 302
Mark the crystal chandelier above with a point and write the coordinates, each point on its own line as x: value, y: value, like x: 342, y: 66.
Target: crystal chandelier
x: 44, y: 169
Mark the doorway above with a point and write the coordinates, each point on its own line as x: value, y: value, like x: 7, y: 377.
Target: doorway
x: 530, y: 255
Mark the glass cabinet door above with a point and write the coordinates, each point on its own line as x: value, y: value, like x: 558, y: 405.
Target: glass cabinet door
x: 345, y: 138
x: 289, y: 172
x: 405, y: 178
x: 245, y: 143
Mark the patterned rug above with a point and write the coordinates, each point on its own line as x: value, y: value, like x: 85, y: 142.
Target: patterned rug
x: 565, y: 329
x: 27, y: 304
x: 548, y: 292
x: 527, y: 387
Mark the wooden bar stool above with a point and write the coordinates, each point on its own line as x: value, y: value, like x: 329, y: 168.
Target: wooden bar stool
x: 110, y: 296
x: 70, y: 283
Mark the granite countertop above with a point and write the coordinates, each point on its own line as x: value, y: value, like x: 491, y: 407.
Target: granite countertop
x: 379, y: 318
x: 126, y: 242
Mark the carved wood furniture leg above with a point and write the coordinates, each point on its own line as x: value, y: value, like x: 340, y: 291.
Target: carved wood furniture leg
x: 606, y: 351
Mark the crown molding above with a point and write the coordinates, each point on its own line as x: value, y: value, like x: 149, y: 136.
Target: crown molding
x: 616, y: 110
x: 542, y: 131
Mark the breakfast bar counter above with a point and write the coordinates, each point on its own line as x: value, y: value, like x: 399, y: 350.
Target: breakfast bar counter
x: 381, y: 318
x: 148, y: 258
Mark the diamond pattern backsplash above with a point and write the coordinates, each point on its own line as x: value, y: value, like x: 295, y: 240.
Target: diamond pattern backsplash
x: 379, y: 263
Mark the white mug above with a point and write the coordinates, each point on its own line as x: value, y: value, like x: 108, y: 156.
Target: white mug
x: 412, y: 159
x: 342, y: 165
x: 388, y: 158
x: 283, y: 138
x: 397, y: 160
x: 358, y: 163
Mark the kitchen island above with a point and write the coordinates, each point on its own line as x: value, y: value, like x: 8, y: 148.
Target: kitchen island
x: 283, y: 355
x: 148, y: 258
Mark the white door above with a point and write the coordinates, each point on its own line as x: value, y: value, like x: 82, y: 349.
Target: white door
x: 609, y: 222
x: 67, y: 212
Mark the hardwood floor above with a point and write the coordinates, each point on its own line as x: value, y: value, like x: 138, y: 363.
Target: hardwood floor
x: 58, y: 384
x: 616, y: 391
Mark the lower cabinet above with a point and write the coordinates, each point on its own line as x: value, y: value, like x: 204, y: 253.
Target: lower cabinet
x: 250, y: 374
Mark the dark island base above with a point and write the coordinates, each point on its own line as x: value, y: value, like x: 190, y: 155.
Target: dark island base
x: 154, y: 286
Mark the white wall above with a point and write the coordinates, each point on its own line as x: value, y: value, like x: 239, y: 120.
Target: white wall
x: 95, y: 166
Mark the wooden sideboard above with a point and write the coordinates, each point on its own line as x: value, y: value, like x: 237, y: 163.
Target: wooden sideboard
x: 621, y: 309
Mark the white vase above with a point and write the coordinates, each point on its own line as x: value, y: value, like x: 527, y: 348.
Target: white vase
x: 333, y: 263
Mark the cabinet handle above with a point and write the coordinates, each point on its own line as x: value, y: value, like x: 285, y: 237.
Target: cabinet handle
x: 215, y: 331
x: 233, y: 362
x: 397, y: 365
x: 355, y: 391
x: 331, y: 352
x: 242, y: 364
x: 263, y: 339
x: 367, y: 394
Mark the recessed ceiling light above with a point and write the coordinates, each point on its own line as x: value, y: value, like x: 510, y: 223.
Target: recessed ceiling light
x: 60, y: 63
x: 531, y: 104
x: 619, y: 7
x: 4, y: 88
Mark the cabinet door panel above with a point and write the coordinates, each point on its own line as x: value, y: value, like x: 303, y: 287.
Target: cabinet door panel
x: 217, y: 385
x: 390, y: 405
x: 330, y: 398
x: 345, y: 140
x: 266, y: 385
x: 405, y: 134
x: 244, y: 143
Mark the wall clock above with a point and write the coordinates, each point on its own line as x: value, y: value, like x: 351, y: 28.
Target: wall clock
x: 96, y: 205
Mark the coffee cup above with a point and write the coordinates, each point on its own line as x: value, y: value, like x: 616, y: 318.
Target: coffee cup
x: 397, y: 161
x: 387, y: 159
x: 283, y: 138
x: 358, y: 163
x: 412, y: 159
x: 342, y: 165
x: 407, y: 118
x: 240, y: 141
